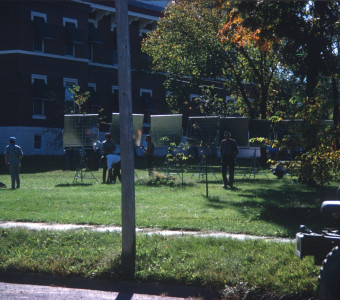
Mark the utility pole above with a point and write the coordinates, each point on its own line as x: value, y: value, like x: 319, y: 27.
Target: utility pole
x: 126, y: 141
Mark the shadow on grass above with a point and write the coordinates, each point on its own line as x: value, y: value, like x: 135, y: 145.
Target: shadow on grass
x: 216, y: 199
x: 73, y: 184
x: 288, y: 205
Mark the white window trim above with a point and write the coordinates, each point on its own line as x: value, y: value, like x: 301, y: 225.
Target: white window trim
x: 42, y: 47
x: 41, y: 143
x: 38, y: 14
x: 69, y: 20
x: 115, y: 88
x: 148, y: 91
x: 194, y: 96
x: 143, y: 30
x: 73, y: 52
x: 92, y: 85
x: 73, y: 80
x: 94, y: 22
x: 75, y: 22
x: 44, y: 16
x: 40, y: 117
x: 43, y: 77
x: 69, y: 80
x: 38, y: 76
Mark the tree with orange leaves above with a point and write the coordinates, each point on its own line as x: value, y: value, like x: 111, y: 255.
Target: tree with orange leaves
x: 190, y: 43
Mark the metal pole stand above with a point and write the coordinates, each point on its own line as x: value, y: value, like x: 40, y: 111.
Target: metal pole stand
x: 82, y: 168
x: 256, y: 166
x: 203, y: 168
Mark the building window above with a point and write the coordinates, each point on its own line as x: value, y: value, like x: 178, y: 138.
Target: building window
x: 37, y: 142
x: 72, y: 36
x: 148, y: 105
x: 41, y: 31
x: 70, y: 49
x: 38, y: 108
x: 92, y: 87
x: 69, y: 97
x: 144, y: 92
x: 193, y: 97
x: 93, y: 38
x: 38, y: 45
x: 92, y: 102
x: 40, y: 95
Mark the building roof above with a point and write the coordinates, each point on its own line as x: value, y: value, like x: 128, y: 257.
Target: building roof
x: 151, y: 5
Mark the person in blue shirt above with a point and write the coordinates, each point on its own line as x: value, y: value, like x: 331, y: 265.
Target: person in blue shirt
x: 113, y: 165
x: 107, y: 147
x: 13, y: 157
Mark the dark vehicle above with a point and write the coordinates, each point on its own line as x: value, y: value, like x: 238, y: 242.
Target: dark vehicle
x: 325, y: 247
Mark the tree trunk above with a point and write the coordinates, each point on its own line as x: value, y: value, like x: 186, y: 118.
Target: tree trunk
x: 335, y: 100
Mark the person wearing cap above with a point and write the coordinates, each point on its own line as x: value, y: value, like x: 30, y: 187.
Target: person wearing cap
x: 13, y: 157
x: 108, y: 147
x: 229, y: 152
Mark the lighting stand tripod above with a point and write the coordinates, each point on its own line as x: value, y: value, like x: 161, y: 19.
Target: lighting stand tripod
x: 202, y: 167
x: 256, y: 166
x: 82, y: 168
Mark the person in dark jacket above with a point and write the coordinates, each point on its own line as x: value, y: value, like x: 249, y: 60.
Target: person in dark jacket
x: 229, y: 152
x: 149, y: 150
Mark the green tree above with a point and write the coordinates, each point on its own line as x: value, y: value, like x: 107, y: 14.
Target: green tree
x: 79, y: 98
x: 309, y: 35
x: 188, y: 48
x: 319, y: 163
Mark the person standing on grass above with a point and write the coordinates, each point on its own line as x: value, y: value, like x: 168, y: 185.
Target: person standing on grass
x: 149, y: 150
x: 113, y: 165
x: 13, y: 157
x: 108, y: 147
x: 229, y: 152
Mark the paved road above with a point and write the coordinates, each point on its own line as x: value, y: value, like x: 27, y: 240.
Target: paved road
x: 12, y: 291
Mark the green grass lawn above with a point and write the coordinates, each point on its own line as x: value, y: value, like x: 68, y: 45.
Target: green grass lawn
x: 258, y: 206
x: 222, y: 265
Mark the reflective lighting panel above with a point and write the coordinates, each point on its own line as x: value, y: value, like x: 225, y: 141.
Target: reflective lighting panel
x: 202, y: 130
x: 137, y: 120
x: 166, y: 129
x: 80, y: 130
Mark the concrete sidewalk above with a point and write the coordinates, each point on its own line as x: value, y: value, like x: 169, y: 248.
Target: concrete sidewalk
x: 148, y: 231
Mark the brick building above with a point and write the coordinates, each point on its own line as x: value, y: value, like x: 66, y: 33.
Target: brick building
x: 49, y: 46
